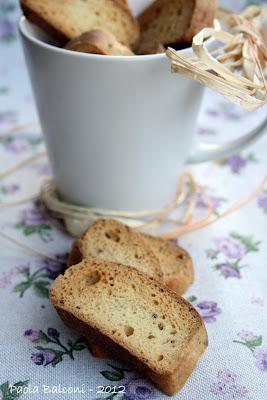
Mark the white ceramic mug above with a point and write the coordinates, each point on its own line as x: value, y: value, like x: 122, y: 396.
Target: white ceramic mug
x: 118, y: 129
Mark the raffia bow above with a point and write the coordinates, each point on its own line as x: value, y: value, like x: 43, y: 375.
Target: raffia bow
x: 236, y: 65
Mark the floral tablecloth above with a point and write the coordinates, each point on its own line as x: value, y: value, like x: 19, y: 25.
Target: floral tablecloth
x: 39, y: 357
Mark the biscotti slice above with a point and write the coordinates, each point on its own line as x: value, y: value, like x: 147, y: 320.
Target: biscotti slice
x: 176, y: 263
x: 75, y: 255
x: 178, y: 273
x: 70, y: 18
x: 98, y: 41
x: 173, y: 22
x: 155, y: 48
x: 114, y: 241
x: 134, y: 318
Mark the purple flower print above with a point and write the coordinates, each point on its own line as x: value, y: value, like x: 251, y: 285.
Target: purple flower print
x: 261, y: 358
x: 254, y: 344
x: 236, y: 163
x: 228, y: 271
x: 208, y: 310
x: 257, y: 301
x: 52, y: 332
x: 7, y: 29
x: 226, y: 385
x: 211, y: 253
x: 40, y: 279
x: 227, y: 376
x: 6, y: 278
x: 10, y: 188
x: 44, y: 169
x: 33, y: 221
x: 205, y: 131
x: 231, y: 248
x: 136, y: 389
x: 238, y: 391
x: 32, y: 335
x: 44, y: 358
x: 204, y: 198
x: 234, y: 247
x: 226, y: 114
x: 33, y: 217
x: 262, y: 202
x: 246, y: 335
x: 24, y: 269
x: 16, y: 147
x: 7, y: 117
x: 55, y: 350
x: 54, y: 268
x: 219, y: 388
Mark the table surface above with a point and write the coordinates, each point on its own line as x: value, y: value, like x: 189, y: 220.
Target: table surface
x: 38, y: 353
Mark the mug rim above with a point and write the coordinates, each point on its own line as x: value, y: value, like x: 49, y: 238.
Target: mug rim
x: 22, y: 27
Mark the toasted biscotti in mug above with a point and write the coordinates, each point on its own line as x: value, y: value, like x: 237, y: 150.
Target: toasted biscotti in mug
x: 174, y: 22
x: 74, y: 17
x: 98, y: 41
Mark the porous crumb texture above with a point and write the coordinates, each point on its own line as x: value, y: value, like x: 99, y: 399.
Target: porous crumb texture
x: 73, y: 17
x: 114, y: 241
x: 135, y: 311
x: 174, y: 21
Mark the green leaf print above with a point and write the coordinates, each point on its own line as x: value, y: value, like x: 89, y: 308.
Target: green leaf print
x: 247, y: 241
x: 191, y: 299
x: 58, y: 357
x: 54, y: 350
x: 113, y: 375
x: 255, y: 342
x: 40, y: 288
x: 22, y: 287
x: 9, y: 394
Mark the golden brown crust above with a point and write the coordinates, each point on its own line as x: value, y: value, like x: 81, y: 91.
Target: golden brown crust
x: 178, y: 281
x: 75, y: 255
x: 169, y: 376
x: 167, y: 383
x: 96, y: 350
x: 177, y: 269
x: 111, y: 240
x: 98, y: 41
x: 203, y: 16
x: 36, y: 19
x: 176, y: 263
x: 153, y: 48
x: 196, y: 15
x: 57, y: 19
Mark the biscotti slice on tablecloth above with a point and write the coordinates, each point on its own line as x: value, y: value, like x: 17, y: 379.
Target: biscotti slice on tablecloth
x: 70, y: 18
x: 176, y: 263
x: 104, y: 240
x: 173, y: 22
x: 134, y: 318
x: 114, y: 241
x: 98, y: 41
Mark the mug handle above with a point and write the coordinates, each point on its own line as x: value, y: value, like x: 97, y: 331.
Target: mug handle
x: 213, y: 151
